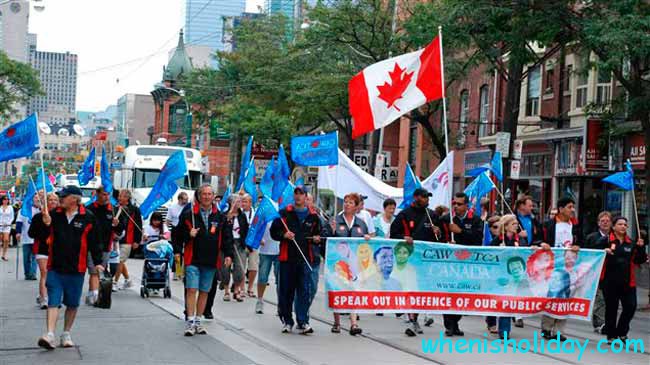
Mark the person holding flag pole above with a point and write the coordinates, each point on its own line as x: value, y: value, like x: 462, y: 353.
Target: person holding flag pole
x: 297, y: 229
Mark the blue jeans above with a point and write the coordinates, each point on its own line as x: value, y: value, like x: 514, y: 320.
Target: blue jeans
x: 29, y: 261
x: 505, y: 325
x: 295, y: 283
x: 199, y: 277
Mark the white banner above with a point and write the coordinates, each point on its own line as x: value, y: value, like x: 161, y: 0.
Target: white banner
x: 347, y: 178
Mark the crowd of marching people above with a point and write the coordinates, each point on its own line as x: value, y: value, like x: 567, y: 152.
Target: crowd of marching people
x: 66, y: 240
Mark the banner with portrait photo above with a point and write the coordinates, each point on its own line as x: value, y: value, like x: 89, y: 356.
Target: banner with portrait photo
x: 391, y: 276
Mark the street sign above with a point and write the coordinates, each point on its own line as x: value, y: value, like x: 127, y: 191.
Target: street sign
x: 515, y: 167
x: 517, y: 146
x: 503, y: 144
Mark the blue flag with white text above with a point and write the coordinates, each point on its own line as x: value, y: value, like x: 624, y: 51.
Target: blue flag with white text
x: 496, y: 166
x: 26, y: 209
x: 318, y: 150
x: 281, y: 175
x: 165, y: 187
x: 87, y: 171
x: 19, y: 140
x: 42, y: 176
x: 249, y: 182
x: 223, y: 204
x: 105, y: 173
x: 266, y: 212
x: 286, y: 198
x: 266, y: 185
x: 624, y: 179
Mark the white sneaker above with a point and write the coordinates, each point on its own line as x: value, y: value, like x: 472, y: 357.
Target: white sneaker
x: 47, y: 341
x: 287, y: 328
x: 189, y: 329
x: 259, y: 307
x: 66, y: 340
x: 44, y: 303
x: 199, y: 329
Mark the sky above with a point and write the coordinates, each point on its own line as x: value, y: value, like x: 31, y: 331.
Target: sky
x: 122, y: 45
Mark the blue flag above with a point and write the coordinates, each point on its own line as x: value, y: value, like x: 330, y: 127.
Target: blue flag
x: 281, y: 175
x: 487, y: 235
x: 249, y: 182
x: 318, y: 150
x: 496, y: 166
x: 624, y: 179
x: 266, y: 212
x: 223, y: 204
x: 87, y: 171
x: 106, y: 174
x: 19, y: 140
x: 175, y: 168
x: 411, y: 182
x: 477, y: 189
x: 245, y: 160
x: 39, y: 181
x: 266, y: 185
x: 286, y: 198
x: 26, y: 209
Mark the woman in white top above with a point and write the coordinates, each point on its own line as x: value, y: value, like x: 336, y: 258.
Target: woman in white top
x: 6, y: 219
x: 383, y: 221
x: 156, y: 230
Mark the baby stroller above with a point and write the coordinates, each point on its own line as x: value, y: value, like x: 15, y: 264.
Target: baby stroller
x: 158, y: 257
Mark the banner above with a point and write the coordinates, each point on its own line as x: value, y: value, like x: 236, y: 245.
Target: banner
x: 391, y: 276
x: 318, y: 150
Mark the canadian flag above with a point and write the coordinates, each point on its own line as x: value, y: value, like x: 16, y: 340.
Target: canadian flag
x: 386, y: 90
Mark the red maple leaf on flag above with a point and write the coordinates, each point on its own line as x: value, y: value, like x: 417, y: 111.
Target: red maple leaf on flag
x: 391, y: 92
x: 315, y: 144
x: 462, y: 254
x: 11, y: 132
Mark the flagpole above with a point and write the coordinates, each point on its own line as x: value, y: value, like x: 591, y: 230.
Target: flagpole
x: 503, y: 200
x: 298, y: 247
x: 636, y: 213
x: 40, y: 145
x: 442, y: 85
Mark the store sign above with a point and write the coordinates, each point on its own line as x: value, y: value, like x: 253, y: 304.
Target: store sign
x: 477, y: 158
x: 636, y: 152
x: 386, y: 173
x: 503, y: 144
x: 597, y: 152
x: 515, y: 168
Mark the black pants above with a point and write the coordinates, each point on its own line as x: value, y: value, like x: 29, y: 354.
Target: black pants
x: 627, y: 297
x: 295, y: 283
x: 451, y: 321
x: 212, y: 293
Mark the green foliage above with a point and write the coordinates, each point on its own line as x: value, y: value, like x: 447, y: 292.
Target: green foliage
x: 18, y: 83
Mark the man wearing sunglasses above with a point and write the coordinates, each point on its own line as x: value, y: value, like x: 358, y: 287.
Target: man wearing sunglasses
x: 467, y: 229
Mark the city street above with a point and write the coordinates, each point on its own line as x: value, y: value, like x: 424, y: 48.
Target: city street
x: 149, y: 331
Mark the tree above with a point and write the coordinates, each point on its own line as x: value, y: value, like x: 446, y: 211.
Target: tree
x: 616, y: 31
x: 18, y: 83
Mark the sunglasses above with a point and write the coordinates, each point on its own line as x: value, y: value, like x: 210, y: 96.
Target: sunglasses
x: 494, y: 227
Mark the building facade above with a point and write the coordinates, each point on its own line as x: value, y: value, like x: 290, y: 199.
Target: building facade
x: 14, y: 22
x: 134, y: 119
x: 58, y: 77
x: 204, y: 24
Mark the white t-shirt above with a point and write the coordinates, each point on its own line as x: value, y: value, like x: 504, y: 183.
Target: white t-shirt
x: 174, y: 213
x: 6, y: 216
x: 270, y: 246
x: 563, y: 234
x: 24, y: 237
x: 367, y: 218
x: 153, y: 234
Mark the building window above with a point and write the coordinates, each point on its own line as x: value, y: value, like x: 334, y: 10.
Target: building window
x: 582, y: 82
x: 483, y: 112
x: 548, y: 83
x: 532, y: 95
x: 464, y: 115
x: 604, y: 88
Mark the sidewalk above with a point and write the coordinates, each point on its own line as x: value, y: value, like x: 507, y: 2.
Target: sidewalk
x: 132, y: 331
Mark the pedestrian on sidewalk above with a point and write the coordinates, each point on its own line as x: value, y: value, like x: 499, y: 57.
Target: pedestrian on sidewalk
x: 297, y: 229
x: 238, y: 225
x: 251, y: 257
x: 71, y: 232
x: 599, y: 240
x: 207, y: 240
x: 22, y: 236
x: 416, y: 222
x: 6, y: 220
x: 619, y: 284
x: 131, y: 219
x: 348, y: 224
x: 561, y: 232
x: 108, y: 226
x: 269, y: 251
x: 41, y: 252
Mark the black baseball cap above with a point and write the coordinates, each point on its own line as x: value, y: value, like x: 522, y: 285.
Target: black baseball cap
x: 299, y: 189
x: 69, y: 190
x: 422, y: 192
